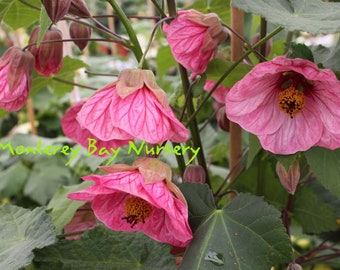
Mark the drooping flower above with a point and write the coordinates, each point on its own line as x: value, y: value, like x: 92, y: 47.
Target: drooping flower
x: 48, y: 56
x: 56, y: 9
x: 194, y: 38
x: 289, y: 104
x: 132, y: 107
x: 80, y: 33
x: 74, y: 131
x: 138, y: 198
x: 79, y: 9
x: 16, y: 67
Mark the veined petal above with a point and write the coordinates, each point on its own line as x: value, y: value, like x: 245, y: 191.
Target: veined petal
x: 95, y: 116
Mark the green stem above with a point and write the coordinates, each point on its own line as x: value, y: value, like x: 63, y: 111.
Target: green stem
x: 159, y: 9
x: 233, y: 66
x: 136, y: 49
x: 180, y: 160
x: 74, y: 84
x: 263, y: 33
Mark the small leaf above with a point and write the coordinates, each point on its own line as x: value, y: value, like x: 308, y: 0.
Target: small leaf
x: 313, y: 16
x: 101, y: 248
x: 246, y: 234
x: 61, y: 208
x: 325, y: 164
x: 22, y: 231
x: 44, y: 23
x: 298, y: 50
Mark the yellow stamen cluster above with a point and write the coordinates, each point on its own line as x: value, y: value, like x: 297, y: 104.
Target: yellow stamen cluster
x: 291, y: 101
x: 136, y: 210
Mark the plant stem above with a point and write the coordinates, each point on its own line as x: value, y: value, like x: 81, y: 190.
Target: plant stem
x: 73, y: 83
x: 263, y: 33
x: 136, y: 49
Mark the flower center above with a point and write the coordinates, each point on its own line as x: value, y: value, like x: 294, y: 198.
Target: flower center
x: 291, y: 101
x: 136, y: 210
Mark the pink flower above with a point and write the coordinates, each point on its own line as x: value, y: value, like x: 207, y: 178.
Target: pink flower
x: 220, y: 92
x: 132, y: 107
x: 74, y: 131
x: 194, y: 38
x: 16, y: 67
x: 289, y: 104
x: 138, y: 198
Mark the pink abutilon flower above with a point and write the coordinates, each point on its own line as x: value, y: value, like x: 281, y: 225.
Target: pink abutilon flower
x: 16, y: 67
x: 220, y: 92
x: 132, y: 107
x: 138, y: 198
x: 289, y: 104
x: 194, y: 38
x: 74, y: 131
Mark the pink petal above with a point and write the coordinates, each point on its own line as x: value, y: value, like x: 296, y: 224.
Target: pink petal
x: 219, y: 94
x: 141, y: 115
x: 95, y: 116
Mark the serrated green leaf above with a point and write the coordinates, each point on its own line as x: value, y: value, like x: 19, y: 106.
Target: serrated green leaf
x: 217, y: 67
x: 313, y: 16
x: 313, y: 214
x: 325, y: 164
x: 5, y: 5
x: 298, y: 50
x: 45, y: 178
x: 220, y: 7
x: 12, y: 180
x: 61, y: 208
x: 200, y: 202
x: 101, y: 248
x: 22, y: 231
x: 246, y: 234
x: 17, y: 14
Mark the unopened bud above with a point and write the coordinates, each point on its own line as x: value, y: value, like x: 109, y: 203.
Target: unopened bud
x: 48, y: 56
x: 294, y: 266
x: 290, y: 179
x: 56, y: 9
x: 222, y: 120
x: 269, y: 43
x: 79, y: 8
x: 194, y: 174
x: 16, y: 67
x: 80, y: 33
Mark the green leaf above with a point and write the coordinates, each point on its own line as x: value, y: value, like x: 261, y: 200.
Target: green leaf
x: 16, y: 14
x: 61, y: 208
x: 22, y: 231
x: 45, y: 178
x: 200, y: 202
x: 313, y: 214
x: 325, y: 164
x: 286, y: 160
x: 44, y: 23
x: 220, y: 7
x: 298, y: 50
x: 101, y: 248
x: 12, y: 180
x: 164, y: 60
x: 254, y: 148
x: 217, y: 67
x: 246, y: 234
x: 313, y: 16
x: 328, y: 57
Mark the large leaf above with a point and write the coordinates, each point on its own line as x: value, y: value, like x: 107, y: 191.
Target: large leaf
x: 22, y: 231
x: 313, y: 16
x: 102, y: 248
x: 61, y: 208
x: 325, y: 164
x: 16, y: 14
x: 313, y: 213
x: 246, y: 234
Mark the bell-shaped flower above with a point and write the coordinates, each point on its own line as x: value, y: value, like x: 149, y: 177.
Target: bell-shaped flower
x: 74, y: 131
x: 132, y: 107
x: 80, y: 33
x: 79, y: 8
x: 139, y: 198
x: 290, y: 104
x: 289, y: 180
x: 48, y: 55
x: 16, y: 67
x: 194, y: 38
x: 56, y: 9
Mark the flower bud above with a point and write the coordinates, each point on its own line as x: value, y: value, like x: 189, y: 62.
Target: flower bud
x: 290, y: 179
x: 222, y: 120
x: 56, y: 9
x: 77, y: 31
x: 294, y: 266
x: 194, y: 174
x: 269, y: 43
x: 79, y: 8
x: 48, y: 56
x: 16, y: 67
